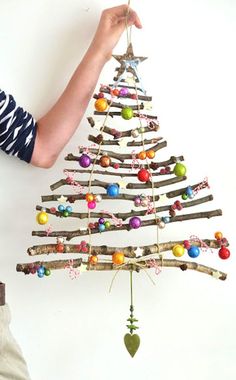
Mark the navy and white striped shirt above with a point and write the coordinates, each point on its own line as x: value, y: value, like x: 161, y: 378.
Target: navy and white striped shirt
x: 17, y: 129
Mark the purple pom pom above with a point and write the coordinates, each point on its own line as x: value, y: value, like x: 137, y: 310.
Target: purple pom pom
x: 84, y: 160
x: 135, y: 222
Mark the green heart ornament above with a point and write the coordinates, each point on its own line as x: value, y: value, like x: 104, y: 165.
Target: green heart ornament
x: 132, y: 342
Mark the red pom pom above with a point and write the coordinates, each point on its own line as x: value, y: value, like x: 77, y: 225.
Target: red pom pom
x: 143, y: 175
x: 224, y: 253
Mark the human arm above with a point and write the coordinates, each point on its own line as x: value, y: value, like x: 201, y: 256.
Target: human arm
x: 56, y: 128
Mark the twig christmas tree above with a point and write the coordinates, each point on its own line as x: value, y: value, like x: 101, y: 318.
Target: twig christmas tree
x: 140, y: 181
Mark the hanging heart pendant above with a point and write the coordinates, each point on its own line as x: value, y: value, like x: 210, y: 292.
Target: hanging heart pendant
x: 132, y: 342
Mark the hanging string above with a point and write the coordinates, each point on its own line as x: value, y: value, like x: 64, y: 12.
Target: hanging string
x: 128, y: 29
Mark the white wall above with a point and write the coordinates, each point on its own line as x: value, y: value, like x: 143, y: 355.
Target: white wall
x: 74, y: 329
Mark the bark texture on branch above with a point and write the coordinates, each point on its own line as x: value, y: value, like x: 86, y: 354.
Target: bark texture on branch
x: 143, y: 186
x: 145, y: 223
x: 152, y: 127
x: 116, y: 142
x: 124, y: 197
x: 122, y: 156
x: 46, y: 249
x: 153, y: 165
x: 183, y: 265
x: 126, y: 215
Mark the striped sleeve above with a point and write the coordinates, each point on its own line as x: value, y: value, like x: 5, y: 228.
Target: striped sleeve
x: 17, y: 129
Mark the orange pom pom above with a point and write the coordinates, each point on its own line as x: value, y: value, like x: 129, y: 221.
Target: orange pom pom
x: 93, y: 260
x: 218, y: 235
x: 142, y: 155
x: 151, y: 153
x: 101, y: 104
x: 118, y: 258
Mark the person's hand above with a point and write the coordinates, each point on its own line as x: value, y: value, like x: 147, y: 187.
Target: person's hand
x: 111, y: 26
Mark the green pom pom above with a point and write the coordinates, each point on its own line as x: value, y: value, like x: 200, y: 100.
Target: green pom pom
x: 180, y: 170
x: 127, y: 113
x: 184, y: 196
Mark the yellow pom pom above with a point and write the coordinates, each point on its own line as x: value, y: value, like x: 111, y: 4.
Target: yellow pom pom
x: 178, y: 250
x: 42, y: 217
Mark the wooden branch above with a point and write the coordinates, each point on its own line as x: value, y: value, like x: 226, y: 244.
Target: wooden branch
x: 183, y: 265
x: 153, y: 127
x: 140, y: 97
x: 129, y: 143
x: 125, y: 156
x: 104, y: 250
x: 121, y: 105
x: 124, y: 197
x: 112, y: 114
x: 126, y: 215
x: 97, y: 183
x: 116, y: 173
x: 145, y: 223
x: 154, y: 165
x: 127, y: 86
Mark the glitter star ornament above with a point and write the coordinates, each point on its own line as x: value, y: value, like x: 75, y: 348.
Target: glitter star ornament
x: 128, y: 64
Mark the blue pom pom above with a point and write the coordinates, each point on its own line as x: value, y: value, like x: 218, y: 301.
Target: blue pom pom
x: 69, y: 209
x: 101, y: 227
x: 194, y: 251
x: 113, y: 190
x: 189, y: 191
x: 166, y: 219
x: 61, y: 208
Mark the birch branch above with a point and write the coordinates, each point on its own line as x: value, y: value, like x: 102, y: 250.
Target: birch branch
x: 145, y: 223
x: 46, y: 249
x: 126, y: 215
x: 183, y: 265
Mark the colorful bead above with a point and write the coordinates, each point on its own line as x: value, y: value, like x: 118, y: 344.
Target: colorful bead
x: 179, y: 169
x: 143, y: 175
x: 89, y: 197
x: 194, y: 251
x: 115, y: 92
x: 93, y: 259
x: 116, y: 166
x: 224, y: 253
x: 105, y: 161
x: 166, y: 219
x: 101, y: 105
x: 42, y: 217
x: 47, y: 272
x: 113, y: 190
x: 123, y: 91
x: 91, y: 205
x: 135, y: 222
x: 218, y: 235
x: 142, y: 155
x: 84, y: 160
x: 118, y: 258
x: 127, y: 113
x: 151, y: 153
x: 107, y: 224
x: 100, y: 95
x: 178, y: 250
x: 101, y: 227
x: 61, y: 208
x: 60, y: 248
